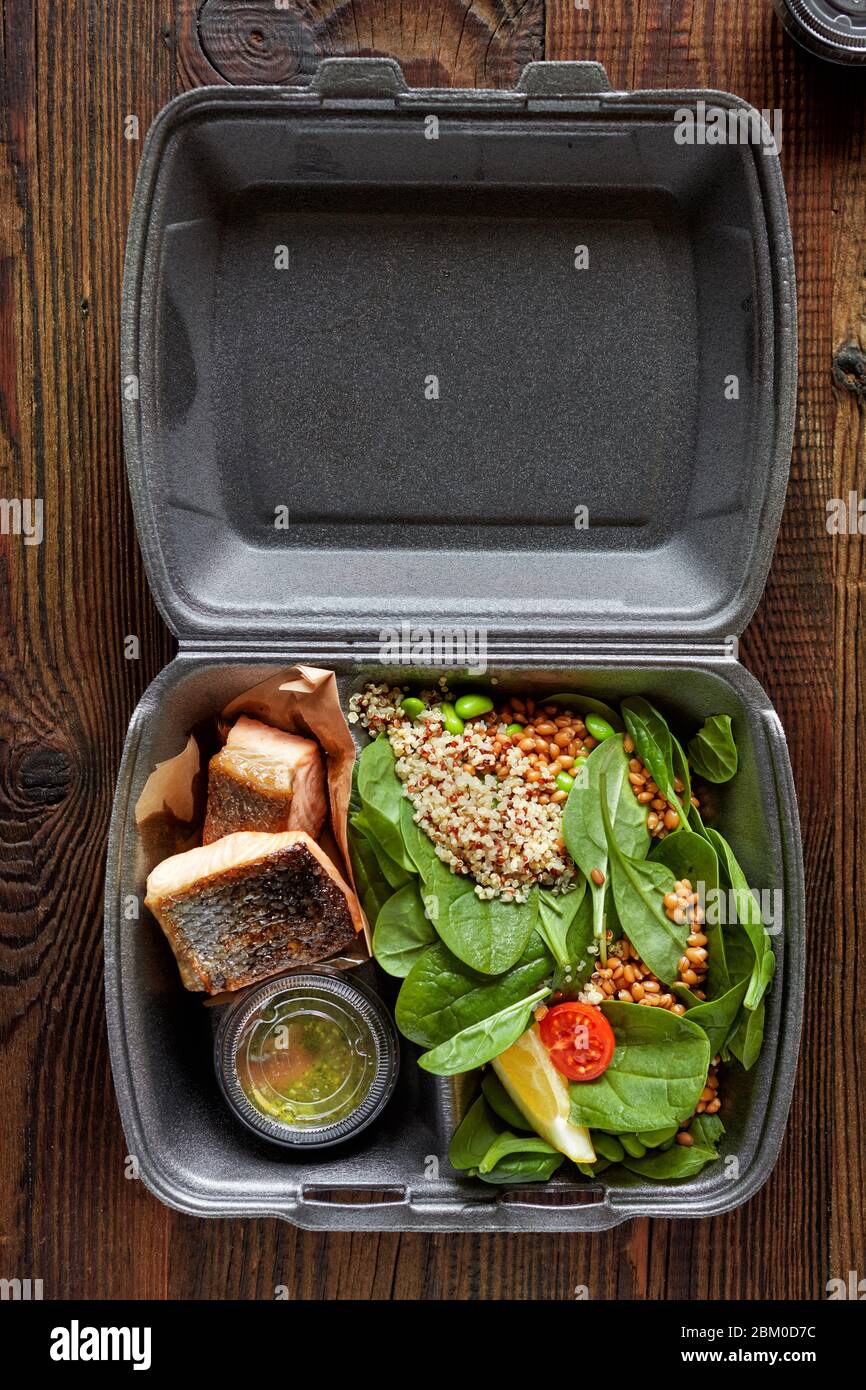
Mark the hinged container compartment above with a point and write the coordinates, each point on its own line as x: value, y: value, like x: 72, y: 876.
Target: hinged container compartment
x: 435, y: 326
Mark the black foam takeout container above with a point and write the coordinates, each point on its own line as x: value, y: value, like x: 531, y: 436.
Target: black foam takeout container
x: 434, y: 234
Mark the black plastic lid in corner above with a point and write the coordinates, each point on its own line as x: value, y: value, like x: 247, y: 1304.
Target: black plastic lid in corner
x: 521, y: 359
x: 832, y: 29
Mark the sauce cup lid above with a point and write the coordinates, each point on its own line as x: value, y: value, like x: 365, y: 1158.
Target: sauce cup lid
x: 307, y: 1060
x: 834, y: 29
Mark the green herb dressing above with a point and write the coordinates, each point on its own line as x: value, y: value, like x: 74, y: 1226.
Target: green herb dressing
x: 303, y: 1063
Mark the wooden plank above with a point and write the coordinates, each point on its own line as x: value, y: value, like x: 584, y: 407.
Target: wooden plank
x: 842, y: 1036
x: 444, y: 43
x: 70, y: 75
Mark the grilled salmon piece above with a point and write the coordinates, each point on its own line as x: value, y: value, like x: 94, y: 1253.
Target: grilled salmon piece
x: 265, y: 779
x: 250, y: 905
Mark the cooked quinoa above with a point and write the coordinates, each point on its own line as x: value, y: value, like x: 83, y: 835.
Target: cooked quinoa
x: 479, y: 796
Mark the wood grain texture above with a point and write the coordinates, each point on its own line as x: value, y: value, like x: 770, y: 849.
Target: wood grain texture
x: 69, y: 75
x: 443, y: 43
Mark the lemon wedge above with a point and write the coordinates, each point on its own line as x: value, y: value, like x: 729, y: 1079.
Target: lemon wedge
x: 541, y: 1093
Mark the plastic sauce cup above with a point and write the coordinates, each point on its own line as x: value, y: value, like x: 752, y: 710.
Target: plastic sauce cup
x: 307, y: 1060
x: 832, y: 29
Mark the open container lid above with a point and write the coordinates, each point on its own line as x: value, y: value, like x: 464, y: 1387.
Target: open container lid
x: 382, y: 346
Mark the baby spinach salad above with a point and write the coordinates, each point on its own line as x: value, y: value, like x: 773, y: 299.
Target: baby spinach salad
x: 568, y: 921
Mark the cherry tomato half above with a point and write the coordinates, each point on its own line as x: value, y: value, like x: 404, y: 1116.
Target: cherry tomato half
x: 579, y: 1039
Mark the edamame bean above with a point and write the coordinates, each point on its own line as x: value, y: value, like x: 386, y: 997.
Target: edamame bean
x: 598, y: 727
x: 471, y: 706
x: 580, y: 760
x: 632, y: 1145
x: 654, y: 1138
x: 564, y: 782
x: 451, y: 720
x: 412, y: 707
x: 609, y: 1147
x: 514, y: 729
x: 668, y: 1144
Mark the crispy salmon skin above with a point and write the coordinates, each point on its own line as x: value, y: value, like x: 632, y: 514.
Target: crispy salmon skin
x: 250, y: 905
x: 267, y: 780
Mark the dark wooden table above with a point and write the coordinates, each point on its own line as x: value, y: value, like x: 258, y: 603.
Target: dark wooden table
x: 70, y: 75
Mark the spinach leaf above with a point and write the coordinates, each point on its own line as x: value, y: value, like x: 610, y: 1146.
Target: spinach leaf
x: 678, y: 1162
x: 482, y: 1041
x: 580, y: 938
x: 381, y: 794
x: 717, y: 1016
x: 593, y: 1170
x: 402, y: 931
x: 739, y: 951
x: 390, y: 870
x: 713, y: 751
x: 696, y: 822
x: 681, y: 770
x: 354, y: 795
x: 581, y: 961
x: 585, y: 704
x: 374, y: 890
x: 522, y: 1168
x: 639, y: 888
x: 441, y: 996
x: 655, y: 1138
x: 505, y: 1144
x: 690, y: 855
x: 768, y: 970
x: 556, y: 913
x: 747, y: 1032
x: 583, y: 827
x: 706, y: 1130
x: 579, y: 947
x: 487, y: 934
x: 747, y: 1038
x: 655, y: 1079
x: 749, y: 918
x: 500, y: 1102
x: 654, y: 745
x: 473, y: 1136
x: 441, y: 890
x: 482, y: 1148
x: 418, y: 846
